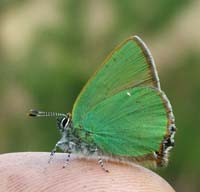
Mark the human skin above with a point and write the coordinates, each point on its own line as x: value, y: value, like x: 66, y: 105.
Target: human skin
x: 30, y: 171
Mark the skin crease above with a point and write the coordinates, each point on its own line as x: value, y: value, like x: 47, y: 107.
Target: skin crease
x: 30, y: 171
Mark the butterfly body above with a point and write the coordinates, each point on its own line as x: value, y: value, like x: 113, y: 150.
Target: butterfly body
x: 71, y: 140
x: 121, y: 112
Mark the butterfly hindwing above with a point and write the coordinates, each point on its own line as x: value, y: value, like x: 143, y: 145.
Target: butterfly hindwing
x: 119, y: 123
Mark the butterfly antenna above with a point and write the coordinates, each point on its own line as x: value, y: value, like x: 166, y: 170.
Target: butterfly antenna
x: 36, y: 113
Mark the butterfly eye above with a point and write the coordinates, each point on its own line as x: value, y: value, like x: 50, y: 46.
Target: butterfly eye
x: 64, y: 123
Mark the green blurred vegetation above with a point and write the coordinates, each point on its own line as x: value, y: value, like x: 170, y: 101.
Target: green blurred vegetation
x: 51, y: 59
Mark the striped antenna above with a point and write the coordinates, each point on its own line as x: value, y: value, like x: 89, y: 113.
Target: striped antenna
x: 36, y: 113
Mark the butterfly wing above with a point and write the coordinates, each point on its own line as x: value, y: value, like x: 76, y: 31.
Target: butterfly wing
x: 123, y: 104
x: 129, y: 65
x: 131, y: 123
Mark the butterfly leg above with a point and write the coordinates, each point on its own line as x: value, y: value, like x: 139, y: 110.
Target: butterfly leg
x: 100, y: 162
x: 52, y: 154
x: 68, y: 158
x: 69, y: 148
x: 60, y: 144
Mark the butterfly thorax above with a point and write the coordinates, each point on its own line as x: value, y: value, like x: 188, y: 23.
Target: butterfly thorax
x: 71, y: 140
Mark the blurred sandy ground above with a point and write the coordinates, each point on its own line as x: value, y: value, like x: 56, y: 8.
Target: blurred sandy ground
x: 49, y: 73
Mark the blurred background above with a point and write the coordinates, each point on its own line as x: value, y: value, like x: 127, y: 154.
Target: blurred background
x: 49, y: 48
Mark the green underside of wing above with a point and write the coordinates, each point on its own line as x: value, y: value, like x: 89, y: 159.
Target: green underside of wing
x: 127, y: 66
x: 130, y: 123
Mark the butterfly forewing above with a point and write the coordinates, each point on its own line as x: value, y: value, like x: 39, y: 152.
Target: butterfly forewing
x: 129, y: 65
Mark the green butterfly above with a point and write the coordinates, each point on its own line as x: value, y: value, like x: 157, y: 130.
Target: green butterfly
x: 121, y: 112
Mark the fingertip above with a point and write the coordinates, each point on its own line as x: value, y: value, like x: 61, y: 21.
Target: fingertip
x: 79, y: 175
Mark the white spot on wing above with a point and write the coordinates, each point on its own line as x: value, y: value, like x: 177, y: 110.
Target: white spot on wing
x: 128, y: 93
